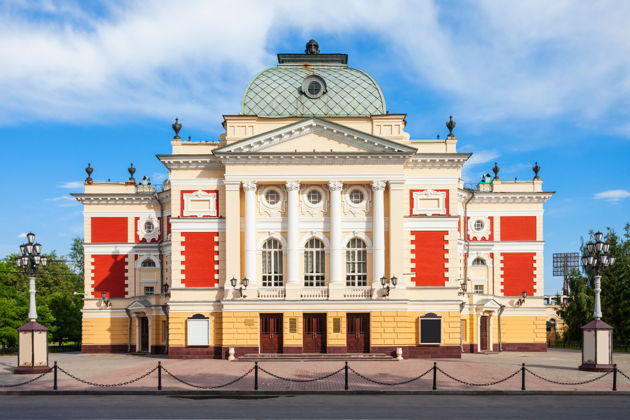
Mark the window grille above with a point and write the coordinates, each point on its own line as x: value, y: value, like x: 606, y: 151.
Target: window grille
x: 314, y: 263
x: 356, y: 263
x: 272, y: 273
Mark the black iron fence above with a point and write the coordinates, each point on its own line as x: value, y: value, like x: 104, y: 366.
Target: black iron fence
x: 64, y: 348
x: 577, y: 345
x: 349, y: 373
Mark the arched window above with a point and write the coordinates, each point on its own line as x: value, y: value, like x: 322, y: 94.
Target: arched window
x: 356, y: 263
x: 314, y: 263
x: 272, y: 274
x: 479, y: 261
x: 148, y: 263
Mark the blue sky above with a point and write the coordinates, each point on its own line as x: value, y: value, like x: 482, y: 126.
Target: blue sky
x: 525, y: 81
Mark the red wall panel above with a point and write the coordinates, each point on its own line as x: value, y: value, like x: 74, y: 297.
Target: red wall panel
x: 518, y: 228
x: 199, y: 262
x: 109, y: 229
x: 429, y: 256
x: 109, y: 275
x: 518, y: 273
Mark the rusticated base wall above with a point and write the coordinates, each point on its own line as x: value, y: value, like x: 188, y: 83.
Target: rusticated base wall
x: 524, y: 346
x: 105, y: 348
x: 195, y: 352
x: 421, y: 352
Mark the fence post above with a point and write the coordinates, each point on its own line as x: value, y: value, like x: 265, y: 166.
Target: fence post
x: 614, y: 377
x: 434, y: 375
x: 345, y: 371
x: 55, y: 375
x: 159, y: 375
x: 255, y: 376
x: 523, y: 377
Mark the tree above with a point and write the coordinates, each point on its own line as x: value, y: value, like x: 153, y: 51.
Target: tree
x: 615, y: 294
x: 66, y: 311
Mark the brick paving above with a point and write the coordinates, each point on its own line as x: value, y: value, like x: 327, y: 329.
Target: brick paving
x: 559, y: 365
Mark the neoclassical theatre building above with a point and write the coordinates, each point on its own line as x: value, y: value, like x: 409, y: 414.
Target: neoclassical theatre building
x: 314, y: 224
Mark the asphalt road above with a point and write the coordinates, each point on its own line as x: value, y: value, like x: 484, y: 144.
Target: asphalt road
x: 314, y: 406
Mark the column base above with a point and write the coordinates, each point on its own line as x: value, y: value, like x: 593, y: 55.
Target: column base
x: 30, y: 370
x: 594, y: 367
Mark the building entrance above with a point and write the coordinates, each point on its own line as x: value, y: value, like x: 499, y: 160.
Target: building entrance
x: 144, y: 334
x: 270, y: 333
x: 314, y: 333
x: 483, y: 333
x: 358, y: 333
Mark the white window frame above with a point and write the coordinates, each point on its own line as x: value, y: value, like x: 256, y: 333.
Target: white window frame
x: 198, y: 331
x: 199, y: 195
x: 272, y: 264
x: 356, y: 263
x: 314, y: 263
x: 428, y: 318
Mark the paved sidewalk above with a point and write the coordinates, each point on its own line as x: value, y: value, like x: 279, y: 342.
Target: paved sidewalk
x: 558, y: 365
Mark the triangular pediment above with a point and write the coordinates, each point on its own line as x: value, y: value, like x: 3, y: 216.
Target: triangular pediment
x: 315, y: 136
x: 139, y: 305
x: 489, y: 304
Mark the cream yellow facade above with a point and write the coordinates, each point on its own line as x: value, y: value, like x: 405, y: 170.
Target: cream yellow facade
x: 314, y: 224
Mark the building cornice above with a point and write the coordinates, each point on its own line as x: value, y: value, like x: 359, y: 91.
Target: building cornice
x: 437, y: 160
x: 313, y: 158
x: 94, y: 198
x: 190, y: 161
x: 506, y: 197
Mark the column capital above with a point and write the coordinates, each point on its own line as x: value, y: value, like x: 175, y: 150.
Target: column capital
x: 249, y: 185
x: 335, y: 185
x: 293, y: 185
x: 378, y: 185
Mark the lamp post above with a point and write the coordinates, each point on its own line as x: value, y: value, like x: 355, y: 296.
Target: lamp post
x: 33, y: 337
x: 243, y: 285
x: 388, y: 283
x: 597, y: 335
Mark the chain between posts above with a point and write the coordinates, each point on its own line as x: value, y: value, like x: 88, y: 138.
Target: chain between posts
x: 24, y: 383
x: 498, y: 381
x: 390, y: 383
x: 588, y: 381
x: 178, y: 379
x: 303, y: 380
x: 76, y: 378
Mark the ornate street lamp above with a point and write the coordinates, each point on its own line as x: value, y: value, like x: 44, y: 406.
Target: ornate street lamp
x: 388, y: 283
x: 243, y: 285
x: 597, y: 335
x: 33, y: 337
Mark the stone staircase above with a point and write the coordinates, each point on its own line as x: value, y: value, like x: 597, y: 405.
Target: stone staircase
x: 298, y: 357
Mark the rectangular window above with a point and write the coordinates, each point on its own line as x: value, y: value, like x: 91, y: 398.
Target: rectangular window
x: 478, y: 288
x: 337, y: 325
x: 198, y: 331
x: 430, y: 329
x: 148, y: 291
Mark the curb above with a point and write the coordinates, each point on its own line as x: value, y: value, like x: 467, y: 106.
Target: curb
x: 289, y: 393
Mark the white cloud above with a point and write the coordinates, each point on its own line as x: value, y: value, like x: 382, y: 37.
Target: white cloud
x: 478, y: 158
x: 72, y: 185
x: 22, y: 235
x: 63, y: 201
x: 494, y: 58
x: 612, y: 195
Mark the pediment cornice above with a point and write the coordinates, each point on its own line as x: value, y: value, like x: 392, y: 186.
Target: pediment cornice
x: 366, y: 143
x: 190, y: 161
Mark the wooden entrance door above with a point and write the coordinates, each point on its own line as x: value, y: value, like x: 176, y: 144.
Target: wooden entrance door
x: 358, y: 333
x: 483, y: 333
x: 270, y: 333
x: 314, y: 333
x: 144, y: 333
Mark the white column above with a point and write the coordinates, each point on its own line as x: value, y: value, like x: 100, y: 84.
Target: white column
x: 293, y: 232
x: 378, y: 233
x: 250, y: 232
x: 336, y: 247
x: 32, y: 307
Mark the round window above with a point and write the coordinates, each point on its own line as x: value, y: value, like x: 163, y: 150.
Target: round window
x: 314, y: 197
x: 148, y: 227
x: 272, y: 197
x: 356, y: 196
x: 478, y: 225
x: 313, y: 86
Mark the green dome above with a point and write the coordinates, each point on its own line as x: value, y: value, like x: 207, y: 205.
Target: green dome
x: 278, y: 91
